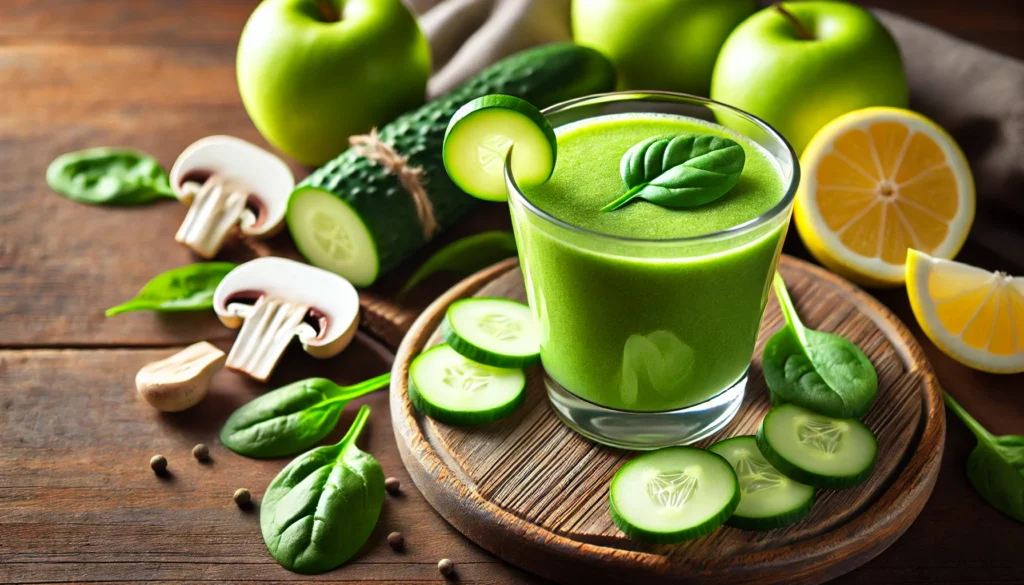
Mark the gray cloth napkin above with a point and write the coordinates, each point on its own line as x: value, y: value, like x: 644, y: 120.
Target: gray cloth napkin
x: 976, y: 94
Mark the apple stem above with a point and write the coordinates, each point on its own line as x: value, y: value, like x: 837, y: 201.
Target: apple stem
x: 328, y: 11
x: 800, y: 30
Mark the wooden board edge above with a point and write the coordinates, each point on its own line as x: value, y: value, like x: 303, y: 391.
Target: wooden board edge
x: 810, y: 562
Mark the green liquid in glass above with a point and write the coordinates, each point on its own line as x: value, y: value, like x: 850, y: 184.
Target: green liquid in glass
x: 645, y: 331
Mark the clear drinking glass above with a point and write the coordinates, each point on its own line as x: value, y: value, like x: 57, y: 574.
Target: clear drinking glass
x: 627, y: 323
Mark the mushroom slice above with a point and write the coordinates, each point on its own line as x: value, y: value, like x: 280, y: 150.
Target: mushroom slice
x: 275, y: 299
x: 228, y: 182
x: 181, y: 380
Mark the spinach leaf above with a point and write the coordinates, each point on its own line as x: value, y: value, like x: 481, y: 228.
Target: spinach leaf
x: 681, y: 170
x: 108, y: 176
x: 188, y: 288
x: 321, y: 508
x: 465, y: 256
x: 996, y: 466
x: 820, y: 371
x: 292, y: 418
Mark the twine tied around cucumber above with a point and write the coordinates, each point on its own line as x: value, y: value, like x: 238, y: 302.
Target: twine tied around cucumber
x: 410, y: 177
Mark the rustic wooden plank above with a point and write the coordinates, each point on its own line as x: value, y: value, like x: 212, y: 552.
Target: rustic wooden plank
x: 79, y: 503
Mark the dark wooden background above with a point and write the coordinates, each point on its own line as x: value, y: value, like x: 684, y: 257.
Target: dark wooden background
x: 78, y: 502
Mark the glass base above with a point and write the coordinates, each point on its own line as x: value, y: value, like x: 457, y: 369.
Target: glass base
x: 643, y: 431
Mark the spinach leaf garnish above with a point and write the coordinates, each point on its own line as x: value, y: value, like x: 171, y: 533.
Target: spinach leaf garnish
x: 188, y: 288
x: 678, y: 171
x: 108, y: 176
x: 820, y: 371
x: 292, y: 418
x: 321, y: 508
x: 465, y: 256
x: 996, y: 466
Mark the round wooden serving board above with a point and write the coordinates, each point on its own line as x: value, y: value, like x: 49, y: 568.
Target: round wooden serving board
x: 535, y: 493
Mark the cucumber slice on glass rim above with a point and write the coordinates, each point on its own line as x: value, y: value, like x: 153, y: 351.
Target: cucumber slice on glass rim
x: 673, y: 494
x: 493, y: 331
x: 452, y: 389
x: 479, y: 137
x: 815, y: 449
x: 768, y: 499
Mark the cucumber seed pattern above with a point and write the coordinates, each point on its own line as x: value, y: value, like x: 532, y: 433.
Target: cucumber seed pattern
x: 501, y: 327
x: 672, y: 489
x: 466, y: 377
x: 491, y: 154
x: 756, y: 474
x: 822, y: 435
x: 333, y: 239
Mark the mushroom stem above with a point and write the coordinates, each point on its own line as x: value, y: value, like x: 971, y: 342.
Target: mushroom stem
x: 181, y: 380
x: 216, y: 208
x: 268, y: 328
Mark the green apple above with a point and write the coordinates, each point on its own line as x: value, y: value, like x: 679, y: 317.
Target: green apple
x: 314, y: 72
x: 800, y: 65
x: 669, y: 45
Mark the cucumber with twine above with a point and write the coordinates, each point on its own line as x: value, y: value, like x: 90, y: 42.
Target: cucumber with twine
x: 381, y: 200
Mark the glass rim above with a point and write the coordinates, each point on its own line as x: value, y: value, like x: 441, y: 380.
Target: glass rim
x: 665, y: 97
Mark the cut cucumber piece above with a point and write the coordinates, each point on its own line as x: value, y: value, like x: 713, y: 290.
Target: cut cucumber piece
x: 492, y: 331
x: 768, y: 499
x: 673, y: 494
x: 816, y: 449
x: 479, y: 137
x: 452, y: 389
x: 336, y: 238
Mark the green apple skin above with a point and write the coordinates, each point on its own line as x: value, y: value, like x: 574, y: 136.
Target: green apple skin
x: 308, y: 84
x: 799, y: 85
x: 668, y: 45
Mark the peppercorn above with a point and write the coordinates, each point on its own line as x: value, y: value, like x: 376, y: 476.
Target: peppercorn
x: 391, y: 485
x: 159, y: 464
x: 201, y: 452
x: 446, y: 567
x: 242, y: 497
x: 396, y: 540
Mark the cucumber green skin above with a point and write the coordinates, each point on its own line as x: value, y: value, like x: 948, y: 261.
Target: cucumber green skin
x: 691, y: 533
x: 763, y: 523
x: 772, y: 522
x: 481, y: 355
x: 802, y: 475
x: 460, y: 418
x: 543, y: 76
x: 502, y: 102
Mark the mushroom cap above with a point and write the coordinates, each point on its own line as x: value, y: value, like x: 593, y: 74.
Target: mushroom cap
x: 268, y: 178
x: 328, y: 295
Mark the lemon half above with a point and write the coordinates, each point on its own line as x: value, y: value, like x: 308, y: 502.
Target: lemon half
x: 877, y: 182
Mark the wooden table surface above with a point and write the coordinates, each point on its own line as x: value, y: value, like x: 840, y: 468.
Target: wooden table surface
x: 78, y: 502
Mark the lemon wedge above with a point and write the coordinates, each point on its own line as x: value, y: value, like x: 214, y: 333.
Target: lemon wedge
x: 974, y: 316
x: 877, y: 182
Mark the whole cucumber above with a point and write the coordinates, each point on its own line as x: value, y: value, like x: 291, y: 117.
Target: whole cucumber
x: 353, y: 217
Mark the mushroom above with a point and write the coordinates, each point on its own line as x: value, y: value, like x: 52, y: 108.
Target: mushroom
x: 228, y: 182
x: 180, y: 381
x: 275, y: 299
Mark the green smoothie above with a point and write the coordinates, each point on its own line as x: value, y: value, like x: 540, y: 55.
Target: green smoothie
x: 650, y: 325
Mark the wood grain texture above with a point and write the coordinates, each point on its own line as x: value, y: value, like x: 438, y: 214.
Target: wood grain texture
x: 79, y: 503
x: 533, y: 492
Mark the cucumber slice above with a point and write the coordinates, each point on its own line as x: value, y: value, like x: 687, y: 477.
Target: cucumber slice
x: 492, y: 331
x: 479, y: 137
x: 768, y: 499
x: 673, y: 494
x: 454, y: 390
x: 816, y: 449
